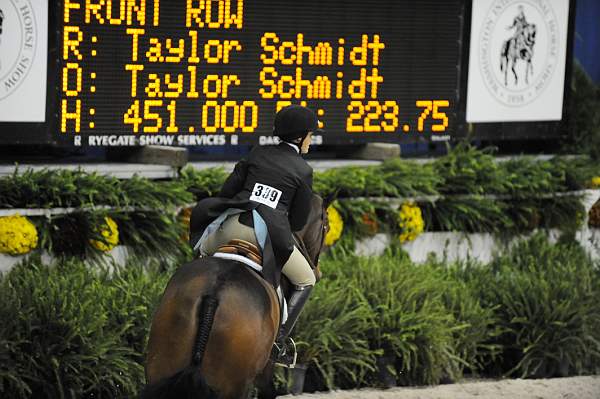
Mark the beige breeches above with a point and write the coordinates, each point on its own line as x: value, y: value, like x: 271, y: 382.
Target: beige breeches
x: 297, y: 268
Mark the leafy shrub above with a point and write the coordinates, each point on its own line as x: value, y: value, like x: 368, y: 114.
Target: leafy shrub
x: 461, y: 179
x: 68, y: 188
x: 149, y: 228
x: 475, y: 342
x: 57, y: 188
x: 467, y: 214
x: 526, y: 177
x: 416, y: 316
x: 410, y: 178
x: 202, y: 183
x: 412, y: 322
x: 332, y: 335
x: 346, y: 182
x: 467, y: 170
x: 545, y: 297
x: 576, y: 172
x: 70, y: 331
x: 154, y: 235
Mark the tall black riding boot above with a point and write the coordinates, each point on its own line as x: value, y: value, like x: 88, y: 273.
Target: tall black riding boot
x: 295, y: 304
x: 294, y: 307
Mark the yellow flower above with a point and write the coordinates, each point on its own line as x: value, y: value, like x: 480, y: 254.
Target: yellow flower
x: 110, y: 235
x: 17, y: 235
x: 410, y: 221
x: 595, y: 182
x: 336, y: 225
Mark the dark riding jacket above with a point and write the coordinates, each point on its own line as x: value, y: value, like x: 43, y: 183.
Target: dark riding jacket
x: 277, y: 182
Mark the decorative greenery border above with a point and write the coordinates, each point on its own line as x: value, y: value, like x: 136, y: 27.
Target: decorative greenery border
x: 466, y: 190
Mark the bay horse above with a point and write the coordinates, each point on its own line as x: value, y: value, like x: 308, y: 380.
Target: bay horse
x: 214, y: 328
x: 515, y: 48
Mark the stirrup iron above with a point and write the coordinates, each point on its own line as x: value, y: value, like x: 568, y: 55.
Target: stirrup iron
x: 283, y: 358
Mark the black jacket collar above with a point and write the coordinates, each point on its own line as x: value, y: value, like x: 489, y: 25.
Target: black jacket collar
x: 287, y: 147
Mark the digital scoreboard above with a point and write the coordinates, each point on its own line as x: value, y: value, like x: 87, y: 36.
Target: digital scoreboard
x: 215, y: 72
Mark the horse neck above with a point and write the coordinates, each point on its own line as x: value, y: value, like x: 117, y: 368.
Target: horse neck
x: 311, y: 234
x: 529, y: 40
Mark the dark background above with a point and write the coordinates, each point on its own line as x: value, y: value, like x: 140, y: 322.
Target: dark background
x: 426, y: 57
x: 419, y: 61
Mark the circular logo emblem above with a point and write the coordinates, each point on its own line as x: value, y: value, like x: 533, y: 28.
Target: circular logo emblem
x: 18, y: 41
x: 518, y: 49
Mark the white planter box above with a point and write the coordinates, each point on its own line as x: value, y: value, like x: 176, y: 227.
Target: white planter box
x: 449, y: 246
x: 118, y: 255
x: 459, y: 246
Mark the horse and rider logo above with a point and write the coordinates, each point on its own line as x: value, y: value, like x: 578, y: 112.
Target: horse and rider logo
x: 518, y: 49
x: 18, y: 42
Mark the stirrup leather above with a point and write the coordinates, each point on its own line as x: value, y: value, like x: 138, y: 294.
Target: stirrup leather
x: 243, y: 248
x: 286, y: 354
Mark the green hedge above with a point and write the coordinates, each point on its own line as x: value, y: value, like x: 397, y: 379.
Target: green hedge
x: 546, y: 298
x: 450, y: 192
x: 67, y: 188
x: 151, y: 229
x: 532, y: 312
x: 464, y: 170
x: 72, y: 331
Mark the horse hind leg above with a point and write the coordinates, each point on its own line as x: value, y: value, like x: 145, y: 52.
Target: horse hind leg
x: 504, y: 61
x: 240, y: 343
x: 512, y: 68
x: 264, y: 382
x: 529, y: 70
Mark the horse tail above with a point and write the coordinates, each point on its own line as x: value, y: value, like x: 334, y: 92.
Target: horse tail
x: 206, y: 316
x: 189, y: 383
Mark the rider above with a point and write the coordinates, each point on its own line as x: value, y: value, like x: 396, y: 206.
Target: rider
x: 272, y: 184
x: 519, y: 23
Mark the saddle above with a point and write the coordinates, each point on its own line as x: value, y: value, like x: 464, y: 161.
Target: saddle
x: 242, y: 248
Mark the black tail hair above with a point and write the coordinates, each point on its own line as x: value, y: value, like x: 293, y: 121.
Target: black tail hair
x: 186, y: 384
x: 189, y: 382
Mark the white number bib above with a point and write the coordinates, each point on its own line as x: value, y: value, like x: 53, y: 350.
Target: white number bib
x: 266, y: 195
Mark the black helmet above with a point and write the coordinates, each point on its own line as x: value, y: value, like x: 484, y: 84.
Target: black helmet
x: 294, y: 122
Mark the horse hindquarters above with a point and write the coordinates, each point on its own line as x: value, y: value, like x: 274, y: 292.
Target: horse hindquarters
x: 189, y: 382
x: 186, y: 384
x: 239, y: 339
x: 240, y: 342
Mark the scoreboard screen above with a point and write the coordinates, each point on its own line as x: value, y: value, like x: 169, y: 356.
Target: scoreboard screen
x: 215, y: 72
